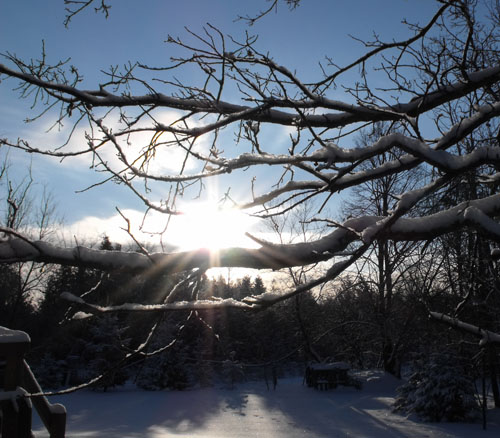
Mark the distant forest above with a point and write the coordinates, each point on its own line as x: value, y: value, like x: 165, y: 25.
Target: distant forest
x: 205, y: 347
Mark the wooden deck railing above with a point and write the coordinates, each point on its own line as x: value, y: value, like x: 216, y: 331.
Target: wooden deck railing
x: 18, y: 380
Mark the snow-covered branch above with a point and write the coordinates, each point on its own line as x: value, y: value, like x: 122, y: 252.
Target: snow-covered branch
x: 486, y: 336
x: 476, y: 213
x: 178, y: 305
x: 430, y: 111
x: 354, y: 114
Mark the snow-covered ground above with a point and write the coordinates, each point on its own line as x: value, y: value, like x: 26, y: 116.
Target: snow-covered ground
x: 250, y: 410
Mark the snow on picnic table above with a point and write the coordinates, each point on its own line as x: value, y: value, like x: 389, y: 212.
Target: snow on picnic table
x: 330, y: 366
x: 250, y: 410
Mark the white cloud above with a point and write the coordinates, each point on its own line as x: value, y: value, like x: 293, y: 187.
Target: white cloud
x: 203, y: 225
x: 90, y: 229
x: 167, y: 159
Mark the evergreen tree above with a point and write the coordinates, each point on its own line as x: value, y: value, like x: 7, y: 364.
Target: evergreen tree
x: 439, y: 389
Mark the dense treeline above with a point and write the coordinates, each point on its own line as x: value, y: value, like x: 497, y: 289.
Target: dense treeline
x: 71, y: 347
x: 191, y: 348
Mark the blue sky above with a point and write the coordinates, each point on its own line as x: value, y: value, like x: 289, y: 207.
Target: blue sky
x: 136, y: 31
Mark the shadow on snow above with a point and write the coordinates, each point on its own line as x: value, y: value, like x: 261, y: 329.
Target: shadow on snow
x: 291, y: 411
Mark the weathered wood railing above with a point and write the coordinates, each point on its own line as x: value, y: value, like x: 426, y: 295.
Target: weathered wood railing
x: 18, y: 380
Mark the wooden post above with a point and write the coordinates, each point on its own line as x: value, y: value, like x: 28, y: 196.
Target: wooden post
x: 24, y: 416
x: 19, y: 380
x: 9, y: 420
x: 13, y: 345
x: 58, y: 422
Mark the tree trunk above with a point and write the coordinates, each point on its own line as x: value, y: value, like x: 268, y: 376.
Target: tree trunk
x: 492, y: 358
x: 311, y: 353
x: 390, y: 359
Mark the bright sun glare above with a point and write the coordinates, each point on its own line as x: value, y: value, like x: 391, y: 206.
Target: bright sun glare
x: 208, y: 226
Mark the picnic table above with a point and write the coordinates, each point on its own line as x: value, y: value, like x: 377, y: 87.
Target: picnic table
x: 325, y: 376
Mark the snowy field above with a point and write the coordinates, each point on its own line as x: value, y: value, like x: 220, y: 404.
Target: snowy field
x: 292, y: 411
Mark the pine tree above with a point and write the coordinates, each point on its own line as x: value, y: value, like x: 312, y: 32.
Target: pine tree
x: 439, y: 389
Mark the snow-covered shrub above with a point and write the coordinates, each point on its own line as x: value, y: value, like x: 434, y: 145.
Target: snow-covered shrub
x: 102, y: 352
x: 151, y: 376
x: 164, y: 371
x: 231, y: 373
x: 203, y: 373
x: 50, y: 372
x: 439, y: 389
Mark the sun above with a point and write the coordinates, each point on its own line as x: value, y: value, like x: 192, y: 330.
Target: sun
x: 206, y: 225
